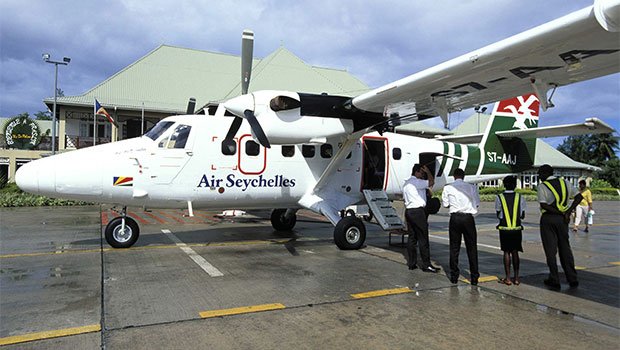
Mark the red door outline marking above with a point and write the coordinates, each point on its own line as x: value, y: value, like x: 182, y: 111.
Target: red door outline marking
x: 239, y: 157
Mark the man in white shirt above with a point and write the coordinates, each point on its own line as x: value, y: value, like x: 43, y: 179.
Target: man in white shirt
x: 414, y: 195
x: 463, y: 200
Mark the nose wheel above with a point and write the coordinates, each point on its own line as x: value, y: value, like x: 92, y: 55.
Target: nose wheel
x: 122, y: 232
x: 350, y: 233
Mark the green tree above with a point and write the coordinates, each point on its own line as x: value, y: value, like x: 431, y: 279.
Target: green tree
x: 43, y: 115
x: 611, y: 172
x: 594, y: 149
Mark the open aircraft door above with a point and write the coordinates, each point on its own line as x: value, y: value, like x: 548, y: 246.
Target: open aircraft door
x: 171, y: 154
x: 252, y: 157
x: 375, y: 163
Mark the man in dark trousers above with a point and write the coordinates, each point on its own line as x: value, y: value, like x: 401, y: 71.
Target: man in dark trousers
x: 553, y: 196
x: 463, y: 200
x: 414, y: 196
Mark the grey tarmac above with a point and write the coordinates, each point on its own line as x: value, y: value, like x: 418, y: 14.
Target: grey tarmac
x: 63, y: 287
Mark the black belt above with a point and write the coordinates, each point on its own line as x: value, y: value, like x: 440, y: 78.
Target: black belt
x: 462, y: 214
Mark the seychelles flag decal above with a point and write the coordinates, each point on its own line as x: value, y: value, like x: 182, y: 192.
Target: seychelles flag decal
x: 123, y: 181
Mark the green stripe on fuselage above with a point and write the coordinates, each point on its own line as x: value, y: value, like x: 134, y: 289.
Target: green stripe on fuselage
x: 473, y: 160
x: 443, y: 159
x: 457, y: 153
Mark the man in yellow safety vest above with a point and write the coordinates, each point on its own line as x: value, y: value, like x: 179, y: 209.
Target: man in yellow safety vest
x: 553, y: 196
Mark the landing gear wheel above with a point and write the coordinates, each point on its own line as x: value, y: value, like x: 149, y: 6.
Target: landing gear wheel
x: 118, y: 237
x: 279, y: 222
x: 350, y: 233
x: 368, y: 218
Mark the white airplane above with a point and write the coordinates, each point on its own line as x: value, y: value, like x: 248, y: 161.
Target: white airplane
x: 319, y: 152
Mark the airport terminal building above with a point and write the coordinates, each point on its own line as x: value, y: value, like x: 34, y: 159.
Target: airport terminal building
x: 161, y: 83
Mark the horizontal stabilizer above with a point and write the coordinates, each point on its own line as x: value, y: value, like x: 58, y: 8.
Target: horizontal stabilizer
x: 590, y: 126
x: 467, y: 139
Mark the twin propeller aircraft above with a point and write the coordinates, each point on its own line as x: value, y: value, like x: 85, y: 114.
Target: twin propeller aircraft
x: 319, y: 152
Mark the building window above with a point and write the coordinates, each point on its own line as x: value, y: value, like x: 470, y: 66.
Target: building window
x: 327, y: 150
x: 308, y: 151
x: 288, y: 151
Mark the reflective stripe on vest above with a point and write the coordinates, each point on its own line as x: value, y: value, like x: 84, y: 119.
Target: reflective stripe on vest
x: 511, y: 221
x: 558, y: 201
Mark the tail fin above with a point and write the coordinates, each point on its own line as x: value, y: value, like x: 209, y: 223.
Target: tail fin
x: 505, y: 155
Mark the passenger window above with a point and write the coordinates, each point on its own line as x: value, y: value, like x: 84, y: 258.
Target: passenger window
x: 308, y: 151
x: 288, y: 151
x: 327, y: 150
x: 252, y: 148
x: 229, y: 147
x: 396, y: 153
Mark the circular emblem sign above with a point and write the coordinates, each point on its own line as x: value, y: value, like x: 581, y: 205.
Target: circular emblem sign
x: 22, y: 133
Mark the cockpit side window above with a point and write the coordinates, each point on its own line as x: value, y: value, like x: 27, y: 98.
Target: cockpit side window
x: 178, y: 138
x: 282, y: 103
x: 158, y: 130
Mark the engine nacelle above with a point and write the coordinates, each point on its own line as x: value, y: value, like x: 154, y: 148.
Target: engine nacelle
x: 279, y: 114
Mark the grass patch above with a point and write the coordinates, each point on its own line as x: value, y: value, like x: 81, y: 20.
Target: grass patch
x: 12, y: 196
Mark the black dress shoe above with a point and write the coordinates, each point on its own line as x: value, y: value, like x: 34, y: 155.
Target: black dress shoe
x: 413, y: 267
x: 552, y: 284
x: 454, y: 280
x: 430, y: 269
x: 474, y: 282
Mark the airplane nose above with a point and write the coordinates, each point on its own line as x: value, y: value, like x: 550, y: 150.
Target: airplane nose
x: 27, y: 177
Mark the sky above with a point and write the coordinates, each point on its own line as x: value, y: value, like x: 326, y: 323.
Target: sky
x: 378, y: 42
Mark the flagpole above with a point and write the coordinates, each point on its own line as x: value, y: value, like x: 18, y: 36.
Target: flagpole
x: 95, y: 122
x: 142, y: 129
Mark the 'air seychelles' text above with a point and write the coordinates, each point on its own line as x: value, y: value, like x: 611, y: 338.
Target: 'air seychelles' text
x: 244, y: 183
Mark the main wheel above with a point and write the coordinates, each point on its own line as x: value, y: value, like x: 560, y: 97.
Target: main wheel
x: 119, y: 238
x: 350, y: 233
x: 280, y: 222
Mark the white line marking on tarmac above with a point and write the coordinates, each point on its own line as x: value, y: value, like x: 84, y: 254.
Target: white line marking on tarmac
x: 202, y: 262
x: 479, y: 244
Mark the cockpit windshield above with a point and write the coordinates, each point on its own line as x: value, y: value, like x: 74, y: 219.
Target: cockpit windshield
x: 158, y: 130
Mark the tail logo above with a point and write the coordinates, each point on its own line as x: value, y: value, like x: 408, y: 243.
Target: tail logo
x: 523, y: 108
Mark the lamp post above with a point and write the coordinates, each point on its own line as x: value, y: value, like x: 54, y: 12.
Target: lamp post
x: 478, y: 111
x: 65, y: 61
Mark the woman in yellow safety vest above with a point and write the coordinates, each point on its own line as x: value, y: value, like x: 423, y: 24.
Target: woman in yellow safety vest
x: 510, y: 209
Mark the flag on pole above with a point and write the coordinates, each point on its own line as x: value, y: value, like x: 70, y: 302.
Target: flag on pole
x: 99, y: 110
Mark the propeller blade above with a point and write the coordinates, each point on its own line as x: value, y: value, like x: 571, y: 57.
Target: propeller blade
x: 247, y: 52
x: 234, y: 127
x: 191, y: 105
x: 256, y: 128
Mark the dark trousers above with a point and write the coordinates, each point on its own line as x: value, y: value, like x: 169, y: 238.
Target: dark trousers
x: 554, y: 236
x: 417, y: 223
x: 463, y: 226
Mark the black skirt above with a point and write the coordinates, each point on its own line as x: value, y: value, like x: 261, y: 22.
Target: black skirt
x: 510, y: 240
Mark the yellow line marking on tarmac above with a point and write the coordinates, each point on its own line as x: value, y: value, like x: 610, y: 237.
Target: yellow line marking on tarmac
x: 382, y: 292
x: 615, y: 263
x: 487, y: 279
x: 241, y: 310
x: 16, y: 339
x: 580, y: 267
x: 481, y: 279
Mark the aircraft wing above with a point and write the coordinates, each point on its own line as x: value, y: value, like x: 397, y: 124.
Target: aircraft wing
x: 580, y: 46
x: 590, y: 126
